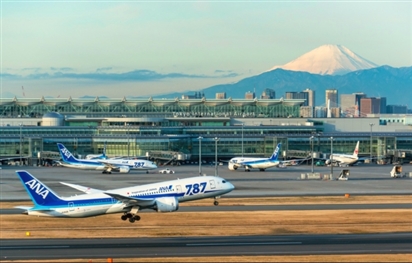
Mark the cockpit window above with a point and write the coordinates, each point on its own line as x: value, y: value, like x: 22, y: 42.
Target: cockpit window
x: 223, y: 181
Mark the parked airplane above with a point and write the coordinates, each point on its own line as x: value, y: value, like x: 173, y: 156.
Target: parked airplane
x: 161, y: 197
x: 107, y: 166
x: 257, y: 163
x: 345, y: 159
x: 98, y: 156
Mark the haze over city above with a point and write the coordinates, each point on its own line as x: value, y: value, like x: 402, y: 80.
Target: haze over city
x: 134, y: 48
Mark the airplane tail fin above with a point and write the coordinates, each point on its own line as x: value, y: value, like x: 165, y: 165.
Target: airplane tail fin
x: 275, y: 154
x: 104, y: 151
x: 39, y: 193
x: 356, y: 151
x: 66, y: 155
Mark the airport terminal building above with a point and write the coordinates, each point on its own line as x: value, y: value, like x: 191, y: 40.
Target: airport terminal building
x: 179, y: 130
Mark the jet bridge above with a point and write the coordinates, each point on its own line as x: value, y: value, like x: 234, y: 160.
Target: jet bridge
x: 167, y: 157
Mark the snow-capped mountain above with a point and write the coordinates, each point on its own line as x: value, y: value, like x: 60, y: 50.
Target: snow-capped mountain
x: 328, y: 60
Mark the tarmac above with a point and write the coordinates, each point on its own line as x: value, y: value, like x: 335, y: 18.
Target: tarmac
x: 363, y: 179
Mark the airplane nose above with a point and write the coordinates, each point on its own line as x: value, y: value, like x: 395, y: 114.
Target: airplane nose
x: 231, y: 186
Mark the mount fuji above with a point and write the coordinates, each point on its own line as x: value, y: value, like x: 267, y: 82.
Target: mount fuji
x: 326, y: 67
x: 328, y: 60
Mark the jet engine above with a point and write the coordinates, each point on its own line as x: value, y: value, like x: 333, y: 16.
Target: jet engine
x: 166, y: 204
x: 328, y: 162
x: 123, y: 169
x: 232, y: 166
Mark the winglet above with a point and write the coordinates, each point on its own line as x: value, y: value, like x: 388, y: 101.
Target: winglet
x: 275, y: 154
x: 39, y: 193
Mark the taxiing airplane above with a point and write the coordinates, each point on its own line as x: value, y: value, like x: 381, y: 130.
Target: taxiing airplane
x: 257, y: 163
x: 107, y: 166
x: 345, y: 159
x: 161, y: 197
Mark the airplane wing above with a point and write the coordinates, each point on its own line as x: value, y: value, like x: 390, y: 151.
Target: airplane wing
x: 87, y: 190
x: 108, y: 165
x: 293, y: 162
x: 132, y: 201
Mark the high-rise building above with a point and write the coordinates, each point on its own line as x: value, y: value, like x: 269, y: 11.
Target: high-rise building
x: 396, y: 109
x: 332, y: 95
x: 268, y: 94
x: 320, y: 112
x: 249, y: 95
x: 221, y: 95
x: 350, y: 104
x: 369, y: 106
x: 335, y: 112
x: 306, y: 112
x: 311, y: 97
x: 382, y: 108
x: 197, y: 95
x: 297, y: 95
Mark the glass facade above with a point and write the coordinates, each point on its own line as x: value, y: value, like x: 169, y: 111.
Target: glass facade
x: 135, y: 127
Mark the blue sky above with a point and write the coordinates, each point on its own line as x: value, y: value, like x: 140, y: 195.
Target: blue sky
x: 144, y: 48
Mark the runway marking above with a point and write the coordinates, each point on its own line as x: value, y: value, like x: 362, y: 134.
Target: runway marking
x: 32, y: 247
x: 244, y: 244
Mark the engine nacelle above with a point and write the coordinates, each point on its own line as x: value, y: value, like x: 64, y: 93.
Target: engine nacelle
x: 232, y: 166
x: 328, y: 162
x: 167, y: 204
x: 124, y: 169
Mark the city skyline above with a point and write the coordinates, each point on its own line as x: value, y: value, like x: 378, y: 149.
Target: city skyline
x: 134, y: 48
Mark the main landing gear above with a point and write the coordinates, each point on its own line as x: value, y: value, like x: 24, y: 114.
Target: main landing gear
x: 132, y: 218
x: 106, y: 172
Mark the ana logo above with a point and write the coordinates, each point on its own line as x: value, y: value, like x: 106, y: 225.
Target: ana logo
x: 66, y: 153
x: 38, y: 188
x: 276, y: 151
x: 165, y: 188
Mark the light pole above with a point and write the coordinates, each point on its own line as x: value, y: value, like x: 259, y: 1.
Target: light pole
x: 331, y: 156
x: 242, y: 137
x: 200, y: 154
x: 311, y: 144
x: 371, y: 124
x: 128, y: 141
x: 216, y: 140
x: 20, y: 143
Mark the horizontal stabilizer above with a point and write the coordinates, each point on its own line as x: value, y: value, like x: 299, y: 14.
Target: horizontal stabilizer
x: 34, y: 208
x: 24, y: 207
x: 84, y: 189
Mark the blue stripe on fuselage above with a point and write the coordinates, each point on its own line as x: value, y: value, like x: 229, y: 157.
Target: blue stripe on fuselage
x: 109, y: 200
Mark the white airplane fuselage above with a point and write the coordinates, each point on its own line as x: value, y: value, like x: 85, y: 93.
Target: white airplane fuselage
x: 169, y: 192
x: 256, y: 163
x: 344, y: 158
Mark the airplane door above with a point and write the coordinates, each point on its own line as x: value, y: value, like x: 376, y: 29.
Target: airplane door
x: 212, y: 184
x: 71, y: 207
x: 178, y: 189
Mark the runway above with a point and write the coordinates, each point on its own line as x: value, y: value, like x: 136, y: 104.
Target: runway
x: 232, y: 208
x: 205, y: 246
x: 364, y: 180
